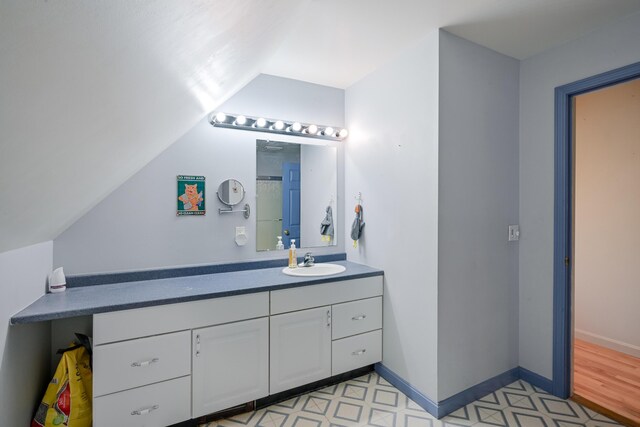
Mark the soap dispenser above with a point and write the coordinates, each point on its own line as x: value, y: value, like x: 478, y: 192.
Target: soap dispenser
x: 293, y: 259
x: 280, y: 245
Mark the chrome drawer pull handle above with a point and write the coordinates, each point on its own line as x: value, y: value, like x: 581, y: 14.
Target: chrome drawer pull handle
x: 145, y: 363
x: 360, y: 317
x: 145, y: 411
x: 359, y: 352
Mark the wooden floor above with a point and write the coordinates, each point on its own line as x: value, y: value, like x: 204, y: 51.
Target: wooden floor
x: 608, y: 378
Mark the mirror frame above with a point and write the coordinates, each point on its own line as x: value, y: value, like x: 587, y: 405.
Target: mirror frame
x: 244, y: 193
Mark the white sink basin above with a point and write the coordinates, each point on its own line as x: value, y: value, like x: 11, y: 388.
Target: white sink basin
x: 315, y: 270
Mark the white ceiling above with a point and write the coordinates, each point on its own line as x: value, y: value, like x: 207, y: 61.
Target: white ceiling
x: 91, y: 91
x: 337, y: 42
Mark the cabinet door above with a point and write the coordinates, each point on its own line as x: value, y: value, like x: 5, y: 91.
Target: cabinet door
x: 300, y: 348
x: 230, y: 365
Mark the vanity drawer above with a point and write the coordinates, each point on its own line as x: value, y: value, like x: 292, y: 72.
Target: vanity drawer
x: 156, y: 405
x: 294, y: 299
x: 356, y: 351
x: 128, y: 364
x: 356, y: 317
x: 141, y: 322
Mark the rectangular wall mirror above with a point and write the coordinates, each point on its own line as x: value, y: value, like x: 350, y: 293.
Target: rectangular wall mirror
x: 295, y: 185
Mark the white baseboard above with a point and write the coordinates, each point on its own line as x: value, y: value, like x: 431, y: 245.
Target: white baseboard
x: 616, y: 345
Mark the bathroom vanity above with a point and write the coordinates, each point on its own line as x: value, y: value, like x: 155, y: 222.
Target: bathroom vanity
x: 204, y: 343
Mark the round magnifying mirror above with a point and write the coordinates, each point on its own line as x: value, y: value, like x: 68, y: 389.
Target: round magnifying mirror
x: 231, y: 192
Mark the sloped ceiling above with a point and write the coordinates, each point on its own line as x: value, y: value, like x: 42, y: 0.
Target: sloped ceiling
x: 343, y: 40
x: 92, y: 91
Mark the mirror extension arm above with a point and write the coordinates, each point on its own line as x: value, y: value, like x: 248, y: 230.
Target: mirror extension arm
x: 246, y: 210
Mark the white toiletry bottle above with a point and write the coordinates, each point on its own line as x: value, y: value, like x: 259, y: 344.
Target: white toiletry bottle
x: 280, y: 245
x: 293, y: 260
x: 57, y: 281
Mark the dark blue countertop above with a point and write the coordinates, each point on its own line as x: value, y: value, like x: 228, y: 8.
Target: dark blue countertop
x: 87, y: 300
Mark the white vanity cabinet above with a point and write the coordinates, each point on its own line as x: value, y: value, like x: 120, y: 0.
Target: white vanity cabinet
x: 324, y: 330
x: 145, y: 372
x: 230, y: 365
x: 300, y: 348
x: 161, y: 365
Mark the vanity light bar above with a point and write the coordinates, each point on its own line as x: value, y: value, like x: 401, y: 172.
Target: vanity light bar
x: 285, y: 127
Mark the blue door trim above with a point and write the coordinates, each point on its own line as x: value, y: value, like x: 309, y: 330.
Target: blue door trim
x: 563, y: 216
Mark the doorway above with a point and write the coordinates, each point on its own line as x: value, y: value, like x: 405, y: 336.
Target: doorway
x: 606, y: 252
x: 563, y: 322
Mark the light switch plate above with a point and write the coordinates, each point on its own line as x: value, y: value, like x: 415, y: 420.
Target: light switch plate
x: 514, y: 233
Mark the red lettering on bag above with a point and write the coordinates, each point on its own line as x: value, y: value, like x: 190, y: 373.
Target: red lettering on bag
x: 64, y: 400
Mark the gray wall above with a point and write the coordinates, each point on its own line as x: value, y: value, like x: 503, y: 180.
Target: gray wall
x: 392, y: 158
x: 135, y: 227
x: 24, y: 349
x: 478, y: 199
x: 611, y: 47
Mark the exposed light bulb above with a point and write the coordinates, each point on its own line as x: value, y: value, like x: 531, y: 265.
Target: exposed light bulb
x: 266, y: 125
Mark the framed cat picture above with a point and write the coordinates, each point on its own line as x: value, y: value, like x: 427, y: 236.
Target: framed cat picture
x: 191, y: 195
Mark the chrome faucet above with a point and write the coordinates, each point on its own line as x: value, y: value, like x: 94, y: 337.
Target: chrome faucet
x: 308, y: 260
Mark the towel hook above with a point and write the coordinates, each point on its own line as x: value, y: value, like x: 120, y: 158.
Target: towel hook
x: 359, y: 198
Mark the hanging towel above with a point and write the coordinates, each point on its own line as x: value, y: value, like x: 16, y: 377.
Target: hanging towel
x: 326, y: 226
x: 357, y: 226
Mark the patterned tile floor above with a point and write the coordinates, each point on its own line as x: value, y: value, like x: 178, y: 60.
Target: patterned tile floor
x: 371, y: 401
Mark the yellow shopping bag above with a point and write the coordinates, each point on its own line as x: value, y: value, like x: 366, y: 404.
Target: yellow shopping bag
x: 67, y: 401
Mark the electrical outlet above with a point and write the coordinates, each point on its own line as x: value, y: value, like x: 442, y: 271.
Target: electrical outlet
x: 514, y: 233
x: 240, y: 231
